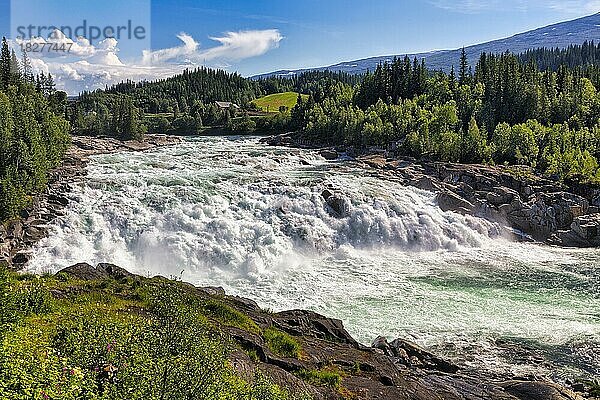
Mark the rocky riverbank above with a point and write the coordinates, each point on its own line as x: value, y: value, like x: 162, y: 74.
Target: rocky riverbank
x: 393, y: 370
x: 529, y: 207
x: 18, y: 236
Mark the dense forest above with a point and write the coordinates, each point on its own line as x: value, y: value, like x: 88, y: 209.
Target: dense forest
x: 186, y: 103
x: 33, y: 132
x: 504, y: 110
x: 573, y: 56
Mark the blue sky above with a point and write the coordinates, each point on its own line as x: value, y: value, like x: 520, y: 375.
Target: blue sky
x: 261, y: 36
x: 324, y: 32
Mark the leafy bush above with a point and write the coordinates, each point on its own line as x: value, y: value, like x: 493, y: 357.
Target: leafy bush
x: 281, y: 343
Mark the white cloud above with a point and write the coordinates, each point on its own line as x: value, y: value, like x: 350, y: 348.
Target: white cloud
x: 234, y: 46
x: 187, y: 49
x: 88, y: 67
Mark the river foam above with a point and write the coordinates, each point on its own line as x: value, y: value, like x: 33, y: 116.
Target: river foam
x: 253, y: 219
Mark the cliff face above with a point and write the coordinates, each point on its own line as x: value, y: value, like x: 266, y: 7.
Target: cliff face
x: 308, y: 354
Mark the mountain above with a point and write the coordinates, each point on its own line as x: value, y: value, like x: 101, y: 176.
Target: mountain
x: 558, y: 35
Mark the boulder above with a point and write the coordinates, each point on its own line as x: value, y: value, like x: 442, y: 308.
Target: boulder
x: 114, y: 271
x: 329, y: 155
x: 21, y: 258
x: 420, y: 357
x: 588, y: 228
x: 338, y: 205
x: 85, y: 272
x: 526, y: 390
x: 449, y: 201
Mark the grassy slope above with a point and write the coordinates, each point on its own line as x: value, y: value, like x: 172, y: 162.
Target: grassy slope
x: 271, y: 103
x: 66, y: 338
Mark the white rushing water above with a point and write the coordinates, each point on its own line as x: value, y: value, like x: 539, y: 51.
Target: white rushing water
x: 237, y: 214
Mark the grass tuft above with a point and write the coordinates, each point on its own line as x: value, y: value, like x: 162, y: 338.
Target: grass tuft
x: 281, y: 343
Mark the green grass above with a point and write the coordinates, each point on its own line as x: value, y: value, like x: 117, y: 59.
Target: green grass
x: 229, y: 316
x: 281, y: 343
x: 60, y: 336
x: 324, y: 377
x: 271, y: 103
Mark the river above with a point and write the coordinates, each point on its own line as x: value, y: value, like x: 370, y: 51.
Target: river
x: 232, y: 212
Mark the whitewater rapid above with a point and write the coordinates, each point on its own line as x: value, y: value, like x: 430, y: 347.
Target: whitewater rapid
x: 232, y: 212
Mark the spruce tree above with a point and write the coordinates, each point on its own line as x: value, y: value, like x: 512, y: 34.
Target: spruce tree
x: 5, y: 76
x: 464, y: 68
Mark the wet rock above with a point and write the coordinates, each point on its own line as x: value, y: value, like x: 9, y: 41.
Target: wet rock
x: 14, y: 229
x: 538, y: 391
x: 329, y: 154
x: 424, y: 358
x: 449, y: 201
x: 339, y: 205
x: 301, y: 322
x: 382, y: 344
x: 35, y: 233
x: 326, y: 194
x: 22, y: 258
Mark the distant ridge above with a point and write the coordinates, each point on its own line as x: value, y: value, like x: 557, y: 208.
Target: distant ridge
x: 559, y: 35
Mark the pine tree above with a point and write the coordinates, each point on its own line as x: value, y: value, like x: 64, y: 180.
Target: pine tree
x: 27, y: 69
x: 5, y: 76
x: 463, y: 75
x: 15, y: 69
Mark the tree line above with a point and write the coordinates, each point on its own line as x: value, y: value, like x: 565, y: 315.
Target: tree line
x: 34, y: 135
x: 505, y: 110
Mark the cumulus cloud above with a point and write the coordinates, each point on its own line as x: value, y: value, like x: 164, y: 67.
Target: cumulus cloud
x: 89, y: 67
x: 58, y: 40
